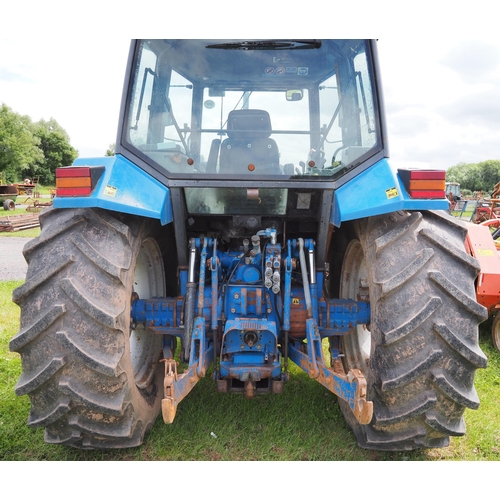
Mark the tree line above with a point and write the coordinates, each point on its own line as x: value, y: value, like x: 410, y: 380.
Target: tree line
x: 30, y: 149
x: 475, y: 176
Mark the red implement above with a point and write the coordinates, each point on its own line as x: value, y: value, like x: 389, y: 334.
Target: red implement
x: 481, y: 245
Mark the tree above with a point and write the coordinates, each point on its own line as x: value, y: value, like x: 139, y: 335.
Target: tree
x: 57, y: 151
x: 475, y: 176
x: 29, y: 150
x: 489, y: 173
x: 111, y: 150
x: 465, y: 174
x: 19, y: 147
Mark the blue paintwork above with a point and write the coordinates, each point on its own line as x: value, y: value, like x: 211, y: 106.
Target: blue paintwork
x: 371, y: 193
x: 200, y: 349
x: 246, y: 362
x: 255, y: 318
x: 124, y: 188
x: 164, y: 314
x: 340, y: 315
x: 183, y: 279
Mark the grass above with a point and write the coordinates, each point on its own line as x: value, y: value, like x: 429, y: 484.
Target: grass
x: 26, y: 233
x: 302, y: 424
x: 466, y: 216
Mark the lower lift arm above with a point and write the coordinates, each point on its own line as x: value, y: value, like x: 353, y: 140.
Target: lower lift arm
x: 350, y: 387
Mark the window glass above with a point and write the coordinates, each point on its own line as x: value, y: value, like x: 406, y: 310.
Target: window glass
x: 236, y: 200
x: 139, y: 107
x: 206, y: 108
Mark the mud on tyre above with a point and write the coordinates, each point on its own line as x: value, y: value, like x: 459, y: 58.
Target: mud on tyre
x: 92, y: 382
x: 420, y: 352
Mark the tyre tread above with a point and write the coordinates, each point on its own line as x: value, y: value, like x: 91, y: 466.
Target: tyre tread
x: 85, y: 396
x: 20, y: 293
x: 425, y: 346
x: 413, y: 323
x: 51, y: 414
x: 469, y: 303
x: 416, y: 407
x: 29, y: 383
x: 96, y: 359
x: 111, y: 404
x: 464, y: 396
x: 399, y: 279
x: 406, y: 375
x: 96, y: 257
x: 32, y: 331
x: 453, y: 428
x: 86, y: 303
x: 471, y: 353
x: 398, y: 232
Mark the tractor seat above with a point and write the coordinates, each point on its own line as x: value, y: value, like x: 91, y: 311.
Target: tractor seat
x: 248, y: 143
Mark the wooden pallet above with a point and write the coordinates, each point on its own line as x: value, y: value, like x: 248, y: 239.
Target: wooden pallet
x: 19, y: 222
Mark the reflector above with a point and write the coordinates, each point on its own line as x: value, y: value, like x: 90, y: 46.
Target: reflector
x: 424, y: 183
x: 77, y: 181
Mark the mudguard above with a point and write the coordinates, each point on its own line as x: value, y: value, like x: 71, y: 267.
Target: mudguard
x: 124, y: 188
x: 376, y: 191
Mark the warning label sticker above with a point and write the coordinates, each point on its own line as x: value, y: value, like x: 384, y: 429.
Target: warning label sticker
x: 286, y: 70
x: 391, y: 193
x: 110, y: 191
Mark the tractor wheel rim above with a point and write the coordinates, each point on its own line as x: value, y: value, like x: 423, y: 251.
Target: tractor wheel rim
x: 354, y: 285
x: 145, y: 346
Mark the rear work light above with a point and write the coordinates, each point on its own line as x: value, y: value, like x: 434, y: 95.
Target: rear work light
x: 77, y: 181
x: 424, y: 183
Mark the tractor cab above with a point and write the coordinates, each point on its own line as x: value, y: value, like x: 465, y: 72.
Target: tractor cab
x: 246, y: 110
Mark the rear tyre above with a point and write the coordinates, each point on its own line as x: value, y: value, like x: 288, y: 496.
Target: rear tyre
x: 420, y: 352
x: 92, y: 382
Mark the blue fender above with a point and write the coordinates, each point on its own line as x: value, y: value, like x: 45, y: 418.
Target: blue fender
x: 375, y: 191
x: 123, y: 187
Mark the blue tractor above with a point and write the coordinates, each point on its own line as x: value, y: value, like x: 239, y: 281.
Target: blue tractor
x: 250, y: 218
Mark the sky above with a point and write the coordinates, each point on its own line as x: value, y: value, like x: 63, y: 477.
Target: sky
x: 440, y: 64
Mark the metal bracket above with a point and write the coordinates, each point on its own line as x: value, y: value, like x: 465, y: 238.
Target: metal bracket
x: 168, y: 404
x: 350, y: 387
x: 177, y: 387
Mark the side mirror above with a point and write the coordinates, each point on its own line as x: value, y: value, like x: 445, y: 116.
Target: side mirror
x: 294, y: 95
